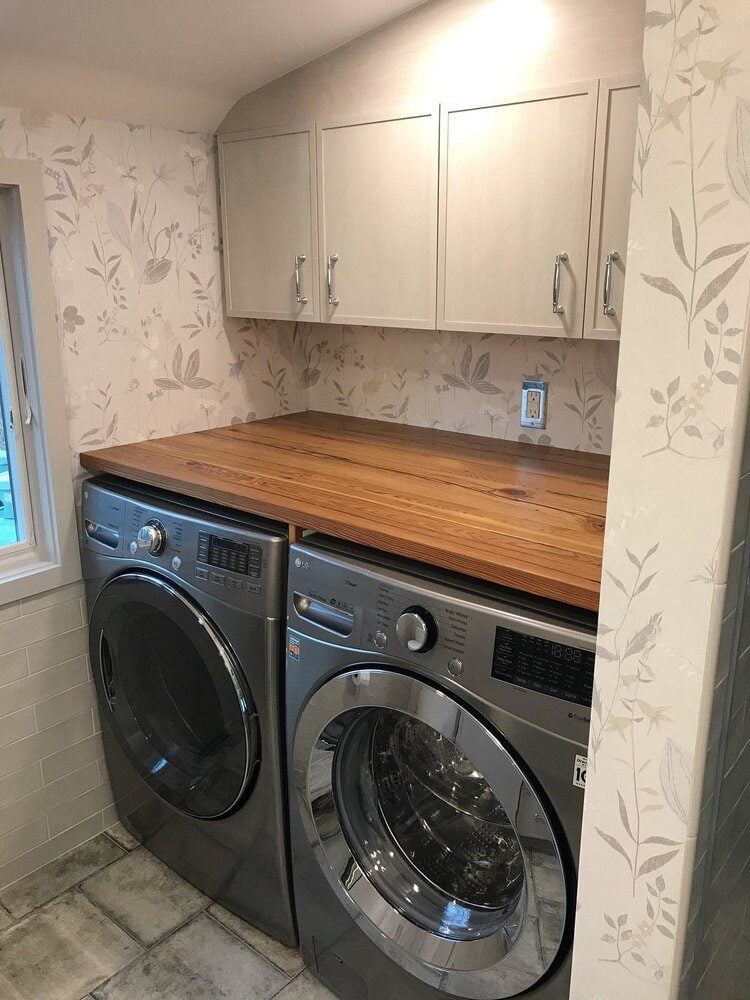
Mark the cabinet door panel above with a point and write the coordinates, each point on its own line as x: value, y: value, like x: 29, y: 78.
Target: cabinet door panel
x: 268, y: 214
x: 610, y: 213
x: 377, y: 203
x: 515, y: 193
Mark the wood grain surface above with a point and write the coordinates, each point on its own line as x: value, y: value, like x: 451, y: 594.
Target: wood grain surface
x: 520, y: 515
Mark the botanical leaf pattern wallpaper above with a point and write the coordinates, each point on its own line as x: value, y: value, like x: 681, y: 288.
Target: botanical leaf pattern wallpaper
x: 133, y: 236
x: 672, y: 489
x: 464, y: 382
x: 134, y: 245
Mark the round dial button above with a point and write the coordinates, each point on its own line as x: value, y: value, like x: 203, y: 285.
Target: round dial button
x: 416, y: 629
x: 455, y: 666
x: 152, y: 537
x: 380, y: 639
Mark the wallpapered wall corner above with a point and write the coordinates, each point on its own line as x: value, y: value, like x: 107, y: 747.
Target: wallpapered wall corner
x: 686, y: 294
x: 133, y: 239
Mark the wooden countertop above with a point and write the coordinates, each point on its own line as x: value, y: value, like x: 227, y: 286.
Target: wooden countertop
x: 523, y: 516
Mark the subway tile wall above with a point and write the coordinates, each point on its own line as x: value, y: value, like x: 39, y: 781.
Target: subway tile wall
x: 717, y: 950
x: 54, y: 788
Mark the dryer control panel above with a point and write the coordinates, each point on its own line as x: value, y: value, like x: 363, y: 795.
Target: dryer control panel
x: 221, y: 556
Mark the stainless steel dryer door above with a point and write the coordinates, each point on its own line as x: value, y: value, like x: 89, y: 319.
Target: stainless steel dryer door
x: 173, y: 693
x: 424, y: 824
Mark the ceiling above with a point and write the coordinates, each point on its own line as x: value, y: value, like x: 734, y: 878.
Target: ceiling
x: 180, y: 63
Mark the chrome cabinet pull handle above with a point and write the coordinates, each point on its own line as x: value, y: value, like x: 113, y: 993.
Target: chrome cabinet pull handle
x: 557, y: 309
x: 332, y: 258
x: 299, y: 259
x: 608, y: 308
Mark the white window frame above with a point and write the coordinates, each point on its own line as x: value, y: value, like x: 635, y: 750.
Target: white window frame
x: 32, y: 388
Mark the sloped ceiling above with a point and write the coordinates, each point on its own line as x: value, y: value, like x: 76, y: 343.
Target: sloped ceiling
x: 167, y: 62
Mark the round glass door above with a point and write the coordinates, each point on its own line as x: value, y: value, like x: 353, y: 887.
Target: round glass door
x: 177, y: 702
x: 426, y: 825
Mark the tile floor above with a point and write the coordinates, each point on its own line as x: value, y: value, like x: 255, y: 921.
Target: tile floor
x: 110, y: 922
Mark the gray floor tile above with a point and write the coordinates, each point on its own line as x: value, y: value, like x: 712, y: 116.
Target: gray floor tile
x: 305, y: 987
x: 122, y: 836
x: 148, y: 899
x: 62, y: 951
x: 25, y: 895
x: 201, y: 961
x: 288, y: 960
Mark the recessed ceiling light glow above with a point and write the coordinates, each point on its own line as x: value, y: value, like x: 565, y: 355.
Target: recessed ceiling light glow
x: 498, y: 41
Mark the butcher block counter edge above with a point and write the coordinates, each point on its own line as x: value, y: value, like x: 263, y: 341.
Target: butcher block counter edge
x: 520, y: 515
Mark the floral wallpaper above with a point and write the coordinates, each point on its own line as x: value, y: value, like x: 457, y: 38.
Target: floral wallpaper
x: 462, y: 381
x: 682, y: 375
x: 133, y: 236
x: 134, y: 246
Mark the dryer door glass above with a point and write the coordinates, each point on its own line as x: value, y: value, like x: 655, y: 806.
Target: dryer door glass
x: 174, y: 695
x: 425, y: 823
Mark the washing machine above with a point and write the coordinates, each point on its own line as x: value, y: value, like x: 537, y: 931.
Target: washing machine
x: 437, y: 733
x: 186, y: 610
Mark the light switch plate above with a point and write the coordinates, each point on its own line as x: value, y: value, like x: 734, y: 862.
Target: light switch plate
x: 534, y: 403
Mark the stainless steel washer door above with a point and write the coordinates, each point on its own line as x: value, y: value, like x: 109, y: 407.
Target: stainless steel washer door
x: 426, y: 826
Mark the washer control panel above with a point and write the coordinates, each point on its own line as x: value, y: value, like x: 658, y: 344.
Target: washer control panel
x: 533, y: 659
x: 543, y: 665
x: 420, y: 628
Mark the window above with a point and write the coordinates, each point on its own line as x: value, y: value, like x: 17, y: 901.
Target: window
x: 38, y: 538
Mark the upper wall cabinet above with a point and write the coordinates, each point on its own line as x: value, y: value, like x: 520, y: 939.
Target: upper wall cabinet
x: 268, y: 213
x: 377, y: 197
x: 610, y: 210
x: 342, y: 222
x: 514, y: 213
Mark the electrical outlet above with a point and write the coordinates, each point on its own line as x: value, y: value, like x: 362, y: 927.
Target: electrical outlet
x: 533, y: 404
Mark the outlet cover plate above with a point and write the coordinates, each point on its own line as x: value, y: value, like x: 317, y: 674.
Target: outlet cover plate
x: 531, y: 390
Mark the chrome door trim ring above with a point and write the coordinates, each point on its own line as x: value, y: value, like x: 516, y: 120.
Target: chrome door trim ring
x: 231, y: 664
x: 501, y: 965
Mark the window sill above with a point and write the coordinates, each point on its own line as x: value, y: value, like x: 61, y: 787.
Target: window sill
x: 25, y: 574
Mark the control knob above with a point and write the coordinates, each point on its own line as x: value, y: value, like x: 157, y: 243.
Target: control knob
x: 152, y: 537
x: 416, y: 629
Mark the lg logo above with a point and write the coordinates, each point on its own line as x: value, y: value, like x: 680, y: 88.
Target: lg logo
x: 579, y: 718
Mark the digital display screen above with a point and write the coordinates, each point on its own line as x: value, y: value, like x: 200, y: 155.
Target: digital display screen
x: 230, y: 555
x: 542, y: 665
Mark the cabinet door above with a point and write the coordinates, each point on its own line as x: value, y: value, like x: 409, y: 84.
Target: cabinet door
x: 377, y: 205
x: 268, y: 214
x: 514, y: 215
x: 610, y: 210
